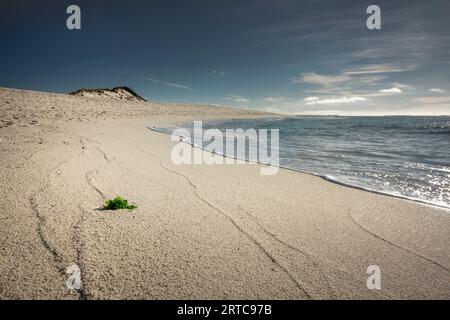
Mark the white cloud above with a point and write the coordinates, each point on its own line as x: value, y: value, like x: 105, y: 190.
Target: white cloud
x: 437, y: 90
x: 273, y: 110
x: 379, y: 68
x: 322, y: 79
x: 170, y: 84
x: 317, y: 100
x: 273, y: 99
x: 311, y: 99
x: 402, y: 85
x: 346, y: 82
x: 391, y: 90
x: 238, y: 99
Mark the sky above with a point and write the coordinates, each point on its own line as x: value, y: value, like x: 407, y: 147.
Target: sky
x: 287, y: 56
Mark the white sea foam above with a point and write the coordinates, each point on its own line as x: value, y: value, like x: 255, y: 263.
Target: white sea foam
x: 407, y: 157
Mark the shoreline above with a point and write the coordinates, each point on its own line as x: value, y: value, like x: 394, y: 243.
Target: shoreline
x: 199, y: 232
x: 324, y: 177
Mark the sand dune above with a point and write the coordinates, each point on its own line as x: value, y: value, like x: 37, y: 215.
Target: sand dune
x: 118, y: 93
x: 199, y: 231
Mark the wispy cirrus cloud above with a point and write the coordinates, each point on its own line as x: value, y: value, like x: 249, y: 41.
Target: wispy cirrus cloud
x: 437, y: 90
x: 379, y: 68
x: 402, y: 86
x: 320, y: 79
x: 350, y: 68
x: 317, y: 100
x: 273, y: 99
x: 364, y: 77
x: 238, y: 99
x: 170, y: 84
x: 391, y: 90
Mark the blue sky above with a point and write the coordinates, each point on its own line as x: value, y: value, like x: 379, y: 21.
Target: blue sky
x: 297, y: 57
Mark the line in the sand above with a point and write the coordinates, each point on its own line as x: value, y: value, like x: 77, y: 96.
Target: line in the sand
x: 248, y: 235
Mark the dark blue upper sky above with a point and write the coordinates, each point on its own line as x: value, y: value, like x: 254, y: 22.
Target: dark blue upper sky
x: 289, y: 56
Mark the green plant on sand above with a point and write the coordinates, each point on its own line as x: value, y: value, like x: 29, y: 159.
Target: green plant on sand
x: 118, y: 203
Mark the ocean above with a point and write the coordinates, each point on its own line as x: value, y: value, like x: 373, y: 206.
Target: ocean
x: 397, y: 155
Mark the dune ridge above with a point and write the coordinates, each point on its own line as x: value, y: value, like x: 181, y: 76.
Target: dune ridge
x: 118, y: 93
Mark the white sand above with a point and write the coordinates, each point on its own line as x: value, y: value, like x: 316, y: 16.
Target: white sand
x: 200, y: 231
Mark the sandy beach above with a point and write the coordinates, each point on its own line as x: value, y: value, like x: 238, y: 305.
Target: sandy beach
x: 200, y: 231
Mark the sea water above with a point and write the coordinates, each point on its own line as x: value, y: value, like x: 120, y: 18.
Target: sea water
x: 397, y: 155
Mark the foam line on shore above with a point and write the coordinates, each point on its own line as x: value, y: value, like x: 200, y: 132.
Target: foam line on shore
x: 327, y: 178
